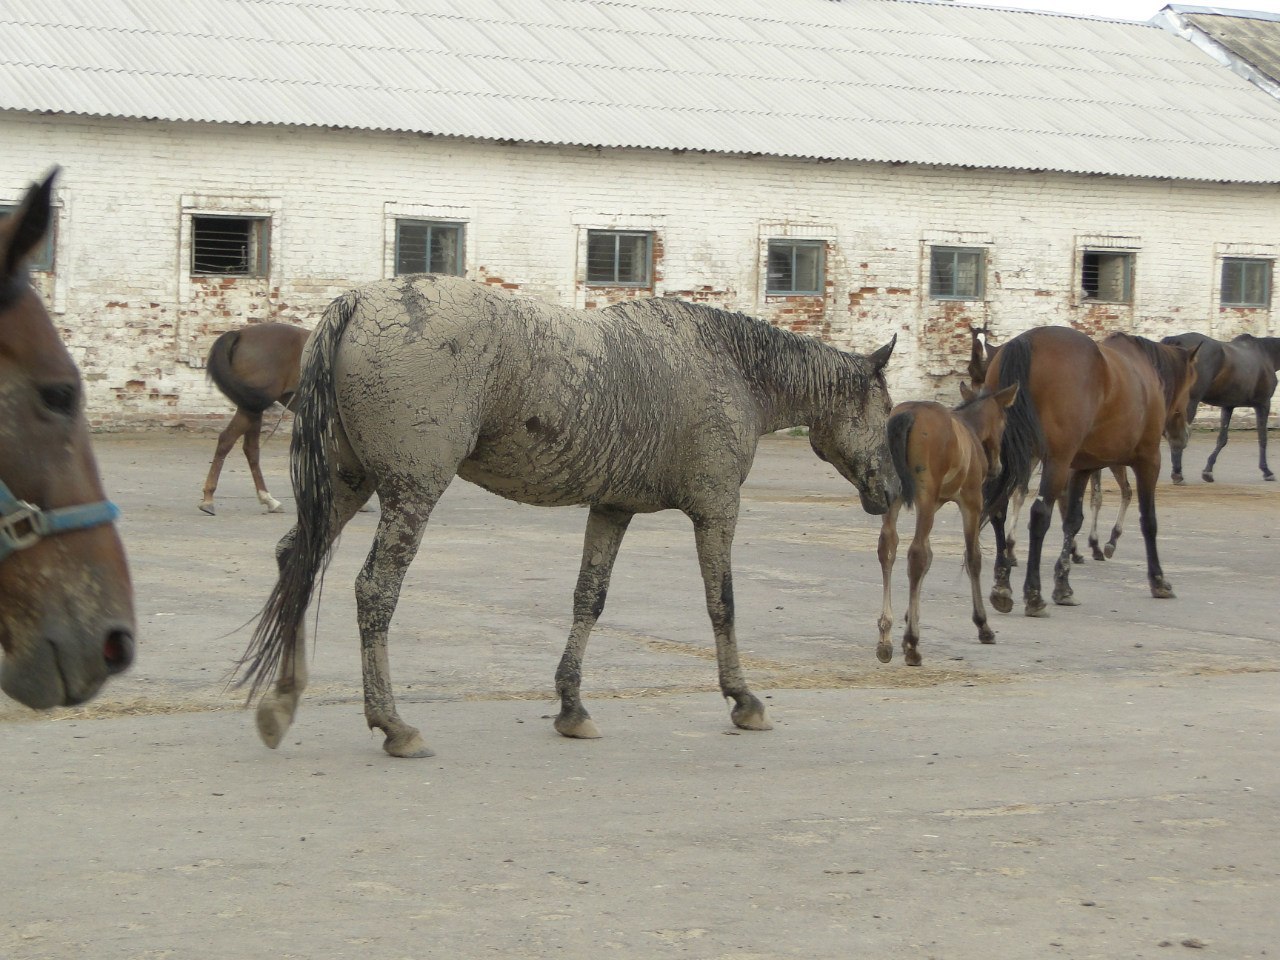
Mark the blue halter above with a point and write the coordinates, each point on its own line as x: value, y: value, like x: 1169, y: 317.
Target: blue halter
x: 23, y: 524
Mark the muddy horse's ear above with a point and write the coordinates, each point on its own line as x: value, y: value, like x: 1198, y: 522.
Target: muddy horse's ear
x: 27, y: 226
x: 881, y: 356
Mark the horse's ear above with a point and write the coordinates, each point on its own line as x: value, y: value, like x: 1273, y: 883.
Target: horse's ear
x: 881, y: 356
x: 1006, y: 396
x: 967, y: 392
x: 27, y: 225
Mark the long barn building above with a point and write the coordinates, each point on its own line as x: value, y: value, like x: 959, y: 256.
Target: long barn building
x: 851, y: 170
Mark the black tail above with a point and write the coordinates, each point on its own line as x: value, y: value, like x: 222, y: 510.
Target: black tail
x: 303, y: 560
x: 898, y: 431
x: 220, y: 369
x: 1023, y: 441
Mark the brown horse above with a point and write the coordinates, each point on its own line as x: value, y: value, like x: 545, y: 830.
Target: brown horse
x: 1241, y: 373
x: 66, y: 604
x: 980, y: 354
x: 254, y: 367
x: 941, y: 456
x: 1083, y: 405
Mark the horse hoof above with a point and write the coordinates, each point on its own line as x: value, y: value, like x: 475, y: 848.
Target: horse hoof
x: 1162, y: 590
x: 275, y: 506
x: 1002, y: 600
x: 749, y: 714
x: 273, y: 719
x: 1065, y: 600
x: 1207, y: 477
x: 1036, y: 608
x: 207, y: 508
x: 580, y: 727
x: 1177, y: 480
x: 986, y: 635
x: 1268, y: 476
x: 1077, y: 558
x: 1108, y: 551
x: 912, y: 658
x: 884, y: 652
x: 407, y: 744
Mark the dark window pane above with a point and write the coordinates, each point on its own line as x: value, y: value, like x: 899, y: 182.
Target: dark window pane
x: 424, y: 246
x: 228, y: 246
x: 411, y: 247
x: 618, y: 258
x: 1246, y: 283
x: 794, y: 267
x: 1107, y: 276
x: 957, y: 272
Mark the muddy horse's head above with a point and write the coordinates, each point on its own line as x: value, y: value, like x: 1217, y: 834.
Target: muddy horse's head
x: 852, y: 436
x: 66, y: 604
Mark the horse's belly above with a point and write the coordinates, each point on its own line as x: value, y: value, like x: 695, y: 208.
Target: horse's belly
x: 549, y: 476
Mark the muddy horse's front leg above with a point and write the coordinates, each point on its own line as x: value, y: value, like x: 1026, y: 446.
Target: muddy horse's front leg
x: 714, y: 536
x: 605, y: 530
x: 395, y: 544
x: 887, y: 551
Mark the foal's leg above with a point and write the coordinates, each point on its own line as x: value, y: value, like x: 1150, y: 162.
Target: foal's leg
x: 1262, y: 412
x: 714, y: 537
x: 239, y: 425
x: 1126, y: 496
x: 605, y: 529
x: 1145, y: 475
x: 971, y: 516
x: 278, y: 706
x: 919, y: 560
x: 887, y: 551
x: 1073, y: 517
x: 252, y: 448
x: 405, y: 511
x: 1207, y: 475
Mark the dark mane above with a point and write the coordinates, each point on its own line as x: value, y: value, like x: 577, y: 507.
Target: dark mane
x: 1165, y: 358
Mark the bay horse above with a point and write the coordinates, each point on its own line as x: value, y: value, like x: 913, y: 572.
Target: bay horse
x: 642, y: 406
x: 66, y: 602
x: 940, y: 456
x: 980, y: 354
x: 1082, y: 406
x: 1239, y: 373
x: 255, y: 367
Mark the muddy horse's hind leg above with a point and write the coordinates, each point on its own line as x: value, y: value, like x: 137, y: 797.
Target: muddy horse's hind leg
x: 1072, y: 519
x: 252, y: 451
x: 714, y: 537
x: 1262, y: 412
x: 1207, y: 474
x: 605, y: 530
x: 887, y: 551
x: 239, y: 425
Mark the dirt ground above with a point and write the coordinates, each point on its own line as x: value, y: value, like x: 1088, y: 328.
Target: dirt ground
x: 1099, y: 784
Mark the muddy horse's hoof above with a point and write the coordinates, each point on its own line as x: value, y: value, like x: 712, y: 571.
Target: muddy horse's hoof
x: 1268, y: 475
x: 884, y: 651
x: 1002, y: 599
x: 578, y: 725
x: 1162, y: 590
x: 1035, y: 607
x: 748, y: 713
x: 1109, y: 551
x: 986, y: 634
x: 1065, y: 598
x: 912, y: 656
x: 407, y: 743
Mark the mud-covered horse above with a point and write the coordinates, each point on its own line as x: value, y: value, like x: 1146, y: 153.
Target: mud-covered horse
x: 980, y: 354
x: 642, y: 406
x: 66, y: 603
x: 1239, y: 373
x: 255, y: 367
x: 1082, y: 406
x: 940, y: 456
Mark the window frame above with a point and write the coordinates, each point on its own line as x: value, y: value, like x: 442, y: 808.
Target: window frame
x: 1244, y: 263
x: 258, y: 255
x: 1130, y: 260
x: 618, y: 236
x: 796, y: 245
x: 955, y: 252
x: 431, y: 224
x: 44, y: 260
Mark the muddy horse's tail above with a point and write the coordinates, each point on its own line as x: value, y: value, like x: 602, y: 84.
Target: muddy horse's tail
x: 219, y: 367
x: 898, y: 432
x: 304, y: 558
x: 1023, y: 441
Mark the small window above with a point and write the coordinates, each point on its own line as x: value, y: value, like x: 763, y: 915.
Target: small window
x: 1106, y: 276
x: 796, y: 267
x: 229, y: 246
x: 41, y: 258
x: 1246, y: 283
x: 957, y: 273
x: 429, y: 246
x: 617, y: 258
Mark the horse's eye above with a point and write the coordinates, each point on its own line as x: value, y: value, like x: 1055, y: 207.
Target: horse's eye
x: 60, y: 398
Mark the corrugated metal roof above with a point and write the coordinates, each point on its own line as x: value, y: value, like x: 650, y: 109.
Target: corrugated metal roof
x: 878, y: 80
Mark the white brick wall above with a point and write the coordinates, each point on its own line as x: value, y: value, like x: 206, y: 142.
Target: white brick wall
x: 137, y: 323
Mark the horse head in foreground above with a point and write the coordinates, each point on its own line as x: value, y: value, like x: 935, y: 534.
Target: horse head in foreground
x: 66, y: 604
x: 940, y: 456
x: 643, y: 406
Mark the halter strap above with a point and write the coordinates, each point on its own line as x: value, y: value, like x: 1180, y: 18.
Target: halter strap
x: 23, y: 524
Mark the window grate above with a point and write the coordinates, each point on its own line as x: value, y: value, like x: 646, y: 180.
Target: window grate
x: 429, y: 246
x: 796, y: 267
x: 957, y: 273
x: 617, y: 258
x: 1106, y: 277
x: 229, y: 246
x: 1246, y: 283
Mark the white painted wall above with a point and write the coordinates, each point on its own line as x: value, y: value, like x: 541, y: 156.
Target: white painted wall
x: 140, y: 326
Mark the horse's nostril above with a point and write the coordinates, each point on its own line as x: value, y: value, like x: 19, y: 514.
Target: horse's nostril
x: 118, y: 650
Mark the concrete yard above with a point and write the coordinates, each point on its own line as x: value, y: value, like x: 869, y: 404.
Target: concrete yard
x: 1102, y: 783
